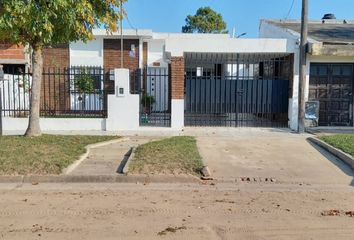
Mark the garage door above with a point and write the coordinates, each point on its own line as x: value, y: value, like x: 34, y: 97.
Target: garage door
x: 247, y: 90
x: 332, y: 86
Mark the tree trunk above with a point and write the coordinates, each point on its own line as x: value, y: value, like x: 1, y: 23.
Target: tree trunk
x: 33, y: 128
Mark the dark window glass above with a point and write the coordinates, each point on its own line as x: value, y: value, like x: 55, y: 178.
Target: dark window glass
x: 336, y: 70
x: 323, y: 70
x: 14, y: 68
x: 347, y: 70
x: 313, y: 70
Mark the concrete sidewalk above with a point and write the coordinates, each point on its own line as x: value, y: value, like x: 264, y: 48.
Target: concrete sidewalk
x: 106, y: 160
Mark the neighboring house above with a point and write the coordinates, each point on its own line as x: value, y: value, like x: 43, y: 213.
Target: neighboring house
x: 330, y: 65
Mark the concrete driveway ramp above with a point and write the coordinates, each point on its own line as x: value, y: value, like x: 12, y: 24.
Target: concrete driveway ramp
x: 284, y: 156
x: 108, y: 159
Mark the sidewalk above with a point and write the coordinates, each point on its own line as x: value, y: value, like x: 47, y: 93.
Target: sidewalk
x: 109, y: 159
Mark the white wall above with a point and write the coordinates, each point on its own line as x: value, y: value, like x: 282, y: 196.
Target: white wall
x: 15, y: 93
x: 177, y: 114
x: 123, y: 109
x: 156, y: 52
x: 177, y: 47
x: 87, y: 54
x: 57, y: 124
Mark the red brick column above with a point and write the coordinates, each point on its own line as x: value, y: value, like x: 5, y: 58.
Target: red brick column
x: 177, y: 78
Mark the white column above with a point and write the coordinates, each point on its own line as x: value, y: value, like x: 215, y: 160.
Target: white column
x: 141, y: 53
x: 177, y: 114
x: 294, y: 101
x: 123, y: 107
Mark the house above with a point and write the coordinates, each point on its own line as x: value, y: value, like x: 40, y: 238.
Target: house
x: 330, y: 61
x: 173, y: 80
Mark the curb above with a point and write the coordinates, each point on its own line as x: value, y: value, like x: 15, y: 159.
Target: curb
x: 130, y: 157
x: 348, y: 159
x: 88, y: 148
x: 98, y: 179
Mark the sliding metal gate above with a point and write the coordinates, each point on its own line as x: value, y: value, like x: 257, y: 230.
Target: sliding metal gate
x: 237, y: 90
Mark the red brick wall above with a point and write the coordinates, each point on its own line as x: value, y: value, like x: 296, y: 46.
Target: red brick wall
x: 58, y: 57
x: 11, y: 51
x: 54, y: 96
x: 111, y: 54
x: 177, y: 78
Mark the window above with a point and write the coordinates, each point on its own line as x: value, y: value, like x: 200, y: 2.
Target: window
x: 199, y: 71
x: 14, y: 68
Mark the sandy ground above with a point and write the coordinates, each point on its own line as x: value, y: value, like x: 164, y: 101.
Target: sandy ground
x: 137, y: 211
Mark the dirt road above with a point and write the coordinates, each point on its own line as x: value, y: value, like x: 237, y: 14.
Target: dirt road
x: 175, y: 211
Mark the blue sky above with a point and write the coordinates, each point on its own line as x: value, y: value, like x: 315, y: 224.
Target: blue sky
x: 169, y: 15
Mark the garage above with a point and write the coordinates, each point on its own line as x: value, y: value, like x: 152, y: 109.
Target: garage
x: 332, y: 85
x: 237, y: 90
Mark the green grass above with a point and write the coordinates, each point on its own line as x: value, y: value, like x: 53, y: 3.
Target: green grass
x: 344, y: 142
x: 176, y: 155
x: 48, y: 154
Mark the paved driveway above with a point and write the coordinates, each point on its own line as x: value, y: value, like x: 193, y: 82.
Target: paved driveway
x: 288, y: 157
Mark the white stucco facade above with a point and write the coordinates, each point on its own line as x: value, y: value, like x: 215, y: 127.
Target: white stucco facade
x: 87, y: 54
x: 56, y: 124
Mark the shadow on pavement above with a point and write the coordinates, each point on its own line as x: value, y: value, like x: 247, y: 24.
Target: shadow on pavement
x: 334, y: 160
x: 124, y: 162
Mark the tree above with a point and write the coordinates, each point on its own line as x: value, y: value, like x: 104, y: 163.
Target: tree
x: 206, y: 20
x: 46, y: 23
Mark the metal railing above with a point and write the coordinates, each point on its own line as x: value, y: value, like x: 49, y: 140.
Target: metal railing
x: 153, y: 86
x: 78, y: 91
x: 1, y: 78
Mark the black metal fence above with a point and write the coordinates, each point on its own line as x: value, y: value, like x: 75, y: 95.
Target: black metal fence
x: 65, y: 92
x: 153, y: 86
x: 237, y: 90
x: 1, y: 77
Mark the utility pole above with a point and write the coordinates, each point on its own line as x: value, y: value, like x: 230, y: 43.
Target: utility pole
x: 303, y: 66
x: 121, y: 35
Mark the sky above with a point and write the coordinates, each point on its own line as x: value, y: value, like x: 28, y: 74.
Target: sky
x: 243, y: 15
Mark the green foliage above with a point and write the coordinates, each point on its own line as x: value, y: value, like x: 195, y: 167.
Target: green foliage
x: 48, y: 154
x: 344, y: 142
x: 84, y: 83
x: 148, y: 100
x: 206, y: 20
x: 41, y: 23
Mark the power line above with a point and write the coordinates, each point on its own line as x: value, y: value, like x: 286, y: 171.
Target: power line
x: 130, y: 24
x: 290, y: 10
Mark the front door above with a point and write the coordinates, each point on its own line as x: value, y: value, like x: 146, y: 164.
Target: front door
x: 332, y: 86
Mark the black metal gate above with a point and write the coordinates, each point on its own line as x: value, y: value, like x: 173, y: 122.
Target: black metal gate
x: 248, y: 90
x: 153, y: 86
x: 332, y: 86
